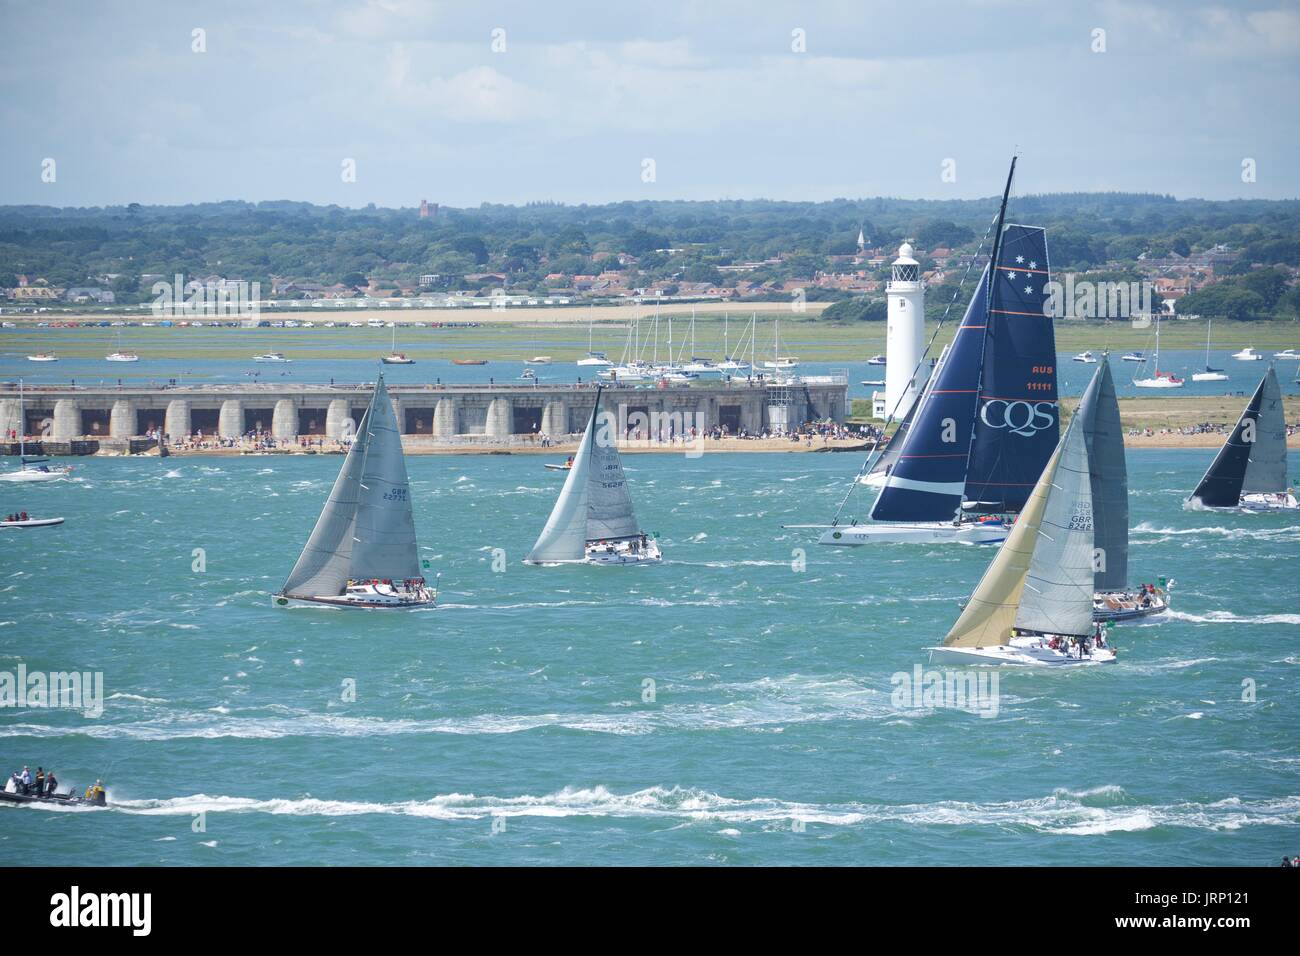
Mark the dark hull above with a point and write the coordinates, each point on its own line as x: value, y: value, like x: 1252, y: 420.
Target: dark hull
x: 60, y: 800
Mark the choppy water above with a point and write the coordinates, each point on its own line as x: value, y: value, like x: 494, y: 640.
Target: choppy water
x: 509, y: 725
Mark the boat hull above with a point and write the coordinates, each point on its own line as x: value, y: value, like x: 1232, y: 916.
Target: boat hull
x: 32, y: 477
x: 1117, y: 607
x: 921, y: 532
x: 1016, y: 657
x: 1209, y: 377
x: 51, y: 800
x: 32, y: 523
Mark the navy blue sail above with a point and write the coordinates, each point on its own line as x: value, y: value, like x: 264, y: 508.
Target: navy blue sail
x: 1017, y: 426
x: 929, y: 477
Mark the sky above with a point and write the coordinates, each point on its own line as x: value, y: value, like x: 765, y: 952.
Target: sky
x: 173, y: 102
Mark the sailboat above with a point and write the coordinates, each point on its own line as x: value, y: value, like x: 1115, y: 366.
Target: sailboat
x: 1159, y: 379
x: 1249, y: 472
x: 779, y: 362
x: 987, y: 424
x: 30, y: 470
x: 592, y: 521
x: 118, y: 355
x: 1033, y: 606
x: 1113, y: 599
x: 362, y: 552
x: 593, y: 359
x: 1210, y: 374
x: 396, y: 357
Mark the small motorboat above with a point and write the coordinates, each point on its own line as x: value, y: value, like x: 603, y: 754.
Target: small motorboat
x: 538, y: 360
x: 1087, y: 358
x: 1248, y: 354
x: 1285, y: 354
x: 43, y: 357
x: 121, y: 357
x: 271, y: 357
x: 567, y: 466
x: 1133, y: 357
x: 528, y: 375
x: 873, y: 381
x: 12, y: 795
x: 469, y: 361
x: 876, y: 360
x: 30, y: 522
x: 1130, y: 605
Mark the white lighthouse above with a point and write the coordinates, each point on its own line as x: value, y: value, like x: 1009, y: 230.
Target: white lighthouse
x: 904, y: 337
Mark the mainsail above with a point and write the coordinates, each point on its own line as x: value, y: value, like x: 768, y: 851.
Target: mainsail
x: 1017, y: 424
x: 1098, y: 413
x: 366, y: 529
x: 1266, y: 470
x: 594, y: 503
x: 1041, y: 579
x: 1259, y: 434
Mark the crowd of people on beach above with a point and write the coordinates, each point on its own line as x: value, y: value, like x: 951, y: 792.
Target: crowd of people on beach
x: 1203, y: 428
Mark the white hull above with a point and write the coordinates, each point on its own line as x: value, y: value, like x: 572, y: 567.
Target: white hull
x: 920, y: 532
x: 1209, y: 377
x: 397, y: 360
x: 121, y: 358
x: 620, y: 552
x: 875, y: 479
x: 363, y: 597
x: 1157, y: 383
x: 550, y: 467
x: 1265, y: 502
x: 595, y: 363
x: 28, y: 476
x: 31, y: 523
x: 1017, y: 655
x: 41, y: 358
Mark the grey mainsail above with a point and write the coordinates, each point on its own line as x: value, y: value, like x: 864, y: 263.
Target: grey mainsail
x: 1266, y: 470
x: 325, y: 563
x: 609, y: 502
x: 1098, y: 412
x: 1057, y: 597
x: 366, y: 529
x: 383, y: 538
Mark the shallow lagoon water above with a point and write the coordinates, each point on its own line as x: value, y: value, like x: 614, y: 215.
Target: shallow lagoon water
x: 509, y: 726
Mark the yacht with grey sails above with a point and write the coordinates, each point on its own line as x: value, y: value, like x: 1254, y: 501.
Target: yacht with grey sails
x: 593, y: 521
x: 362, y: 552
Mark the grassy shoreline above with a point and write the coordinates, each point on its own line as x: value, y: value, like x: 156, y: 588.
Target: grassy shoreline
x: 803, y: 335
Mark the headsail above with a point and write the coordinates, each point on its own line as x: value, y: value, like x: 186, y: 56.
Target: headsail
x: 988, y: 617
x: 325, y: 563
x: 885, y: 463
x: 1222, y: 483
x: 383, y: 535
x: 928, y: 479
x: 1057, y: 596
x: 1017, y: 425
x: 1098, y: 413
x: 1266, y: 470
x: 565, y: 536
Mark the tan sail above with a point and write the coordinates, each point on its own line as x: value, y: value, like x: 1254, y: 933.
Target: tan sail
x: 987, y: 619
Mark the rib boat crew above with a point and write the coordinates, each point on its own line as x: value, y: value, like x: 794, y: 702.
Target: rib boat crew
x: 593, y: 521
x: 362, y: 552
x: 1113, y: 599
x: 1249, y: 472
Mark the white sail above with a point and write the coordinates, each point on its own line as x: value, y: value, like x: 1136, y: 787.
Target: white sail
x: 609, y: 503
x: 565, y: 536
x: 1057, y: 594
x: 324, y: 566
x: 383, y: 536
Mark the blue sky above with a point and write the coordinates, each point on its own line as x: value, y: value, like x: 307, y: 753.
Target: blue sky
x: 584, y: 92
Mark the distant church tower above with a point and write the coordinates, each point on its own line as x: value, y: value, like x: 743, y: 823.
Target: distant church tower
x: 904, y: 337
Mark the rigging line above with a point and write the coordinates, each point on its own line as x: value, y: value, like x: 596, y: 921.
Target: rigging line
x: 873, y: 456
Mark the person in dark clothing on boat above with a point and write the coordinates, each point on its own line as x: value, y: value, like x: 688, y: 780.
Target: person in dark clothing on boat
x: 51, y: 784
x: 40, y: 781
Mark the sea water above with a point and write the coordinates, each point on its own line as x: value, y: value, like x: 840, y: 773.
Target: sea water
x: 734, y: 705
